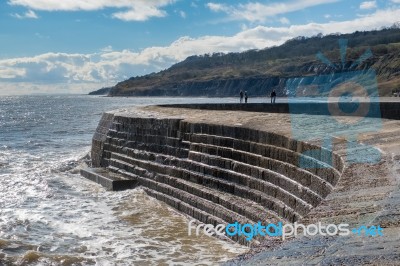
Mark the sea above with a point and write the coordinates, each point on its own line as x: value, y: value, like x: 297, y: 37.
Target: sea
x: 50, y: 215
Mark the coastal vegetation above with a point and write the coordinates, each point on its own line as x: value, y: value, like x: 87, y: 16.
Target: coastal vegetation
x: 261, y: 71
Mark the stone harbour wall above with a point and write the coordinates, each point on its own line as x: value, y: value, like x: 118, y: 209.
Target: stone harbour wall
x: 223, y: 165
x: 216, y: 173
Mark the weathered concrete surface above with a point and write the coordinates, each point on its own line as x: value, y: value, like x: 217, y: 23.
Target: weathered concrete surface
x: 360, y: 195
x: 107, y: 179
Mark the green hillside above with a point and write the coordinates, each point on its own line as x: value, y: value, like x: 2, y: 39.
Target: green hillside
x: 260, y: 71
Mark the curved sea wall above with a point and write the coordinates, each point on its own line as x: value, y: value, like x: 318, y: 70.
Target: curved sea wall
x: 216, y: 173
x: 221, y: 166
x: 219, y: 170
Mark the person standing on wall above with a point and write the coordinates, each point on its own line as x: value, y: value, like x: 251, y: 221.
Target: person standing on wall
x: 273, y: 96
x: 245, y: 96
x: 241, y: 96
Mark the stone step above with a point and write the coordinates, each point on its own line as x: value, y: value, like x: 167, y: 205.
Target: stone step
x: 262, y: 174
x: 113, y: 145
x: 146, y: 180
x: 262, y: 137
x: 318, y: 185
x: 271, y: 203
x: 255, y: 159
x: 313, y: 182
x: 330, y: 174
x: 149, y: 138
x: 294, y: 193
x: 279, y: 182
x: 244, y: 207
x: 132, y: 124
x: 195, y: 201
x: 213, y: 144
x: 193, y: 212
x: 109, y: 180
x: 143, y: 131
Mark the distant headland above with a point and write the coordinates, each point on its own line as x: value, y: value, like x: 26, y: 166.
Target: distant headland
x: 261, y: 71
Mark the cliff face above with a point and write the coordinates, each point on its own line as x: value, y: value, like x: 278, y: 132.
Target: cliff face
x: 259, y: 72
x: 258, y: 86
x: 387, y: 69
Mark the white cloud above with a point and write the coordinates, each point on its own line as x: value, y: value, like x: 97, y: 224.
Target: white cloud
x: 132, y: 10
x: 327, y: 16
x: 182, y: 13
x: 284, y: 21
x: 107, y: 49
x: 140, y: 13
x: 368, y: 5
x: 259, y: 12
x: 217, y: 7
x: 108, y: 67
x: 27, y: 14
x: 396, y: 1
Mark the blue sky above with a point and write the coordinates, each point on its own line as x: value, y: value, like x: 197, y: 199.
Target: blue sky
x: 76, y: 46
